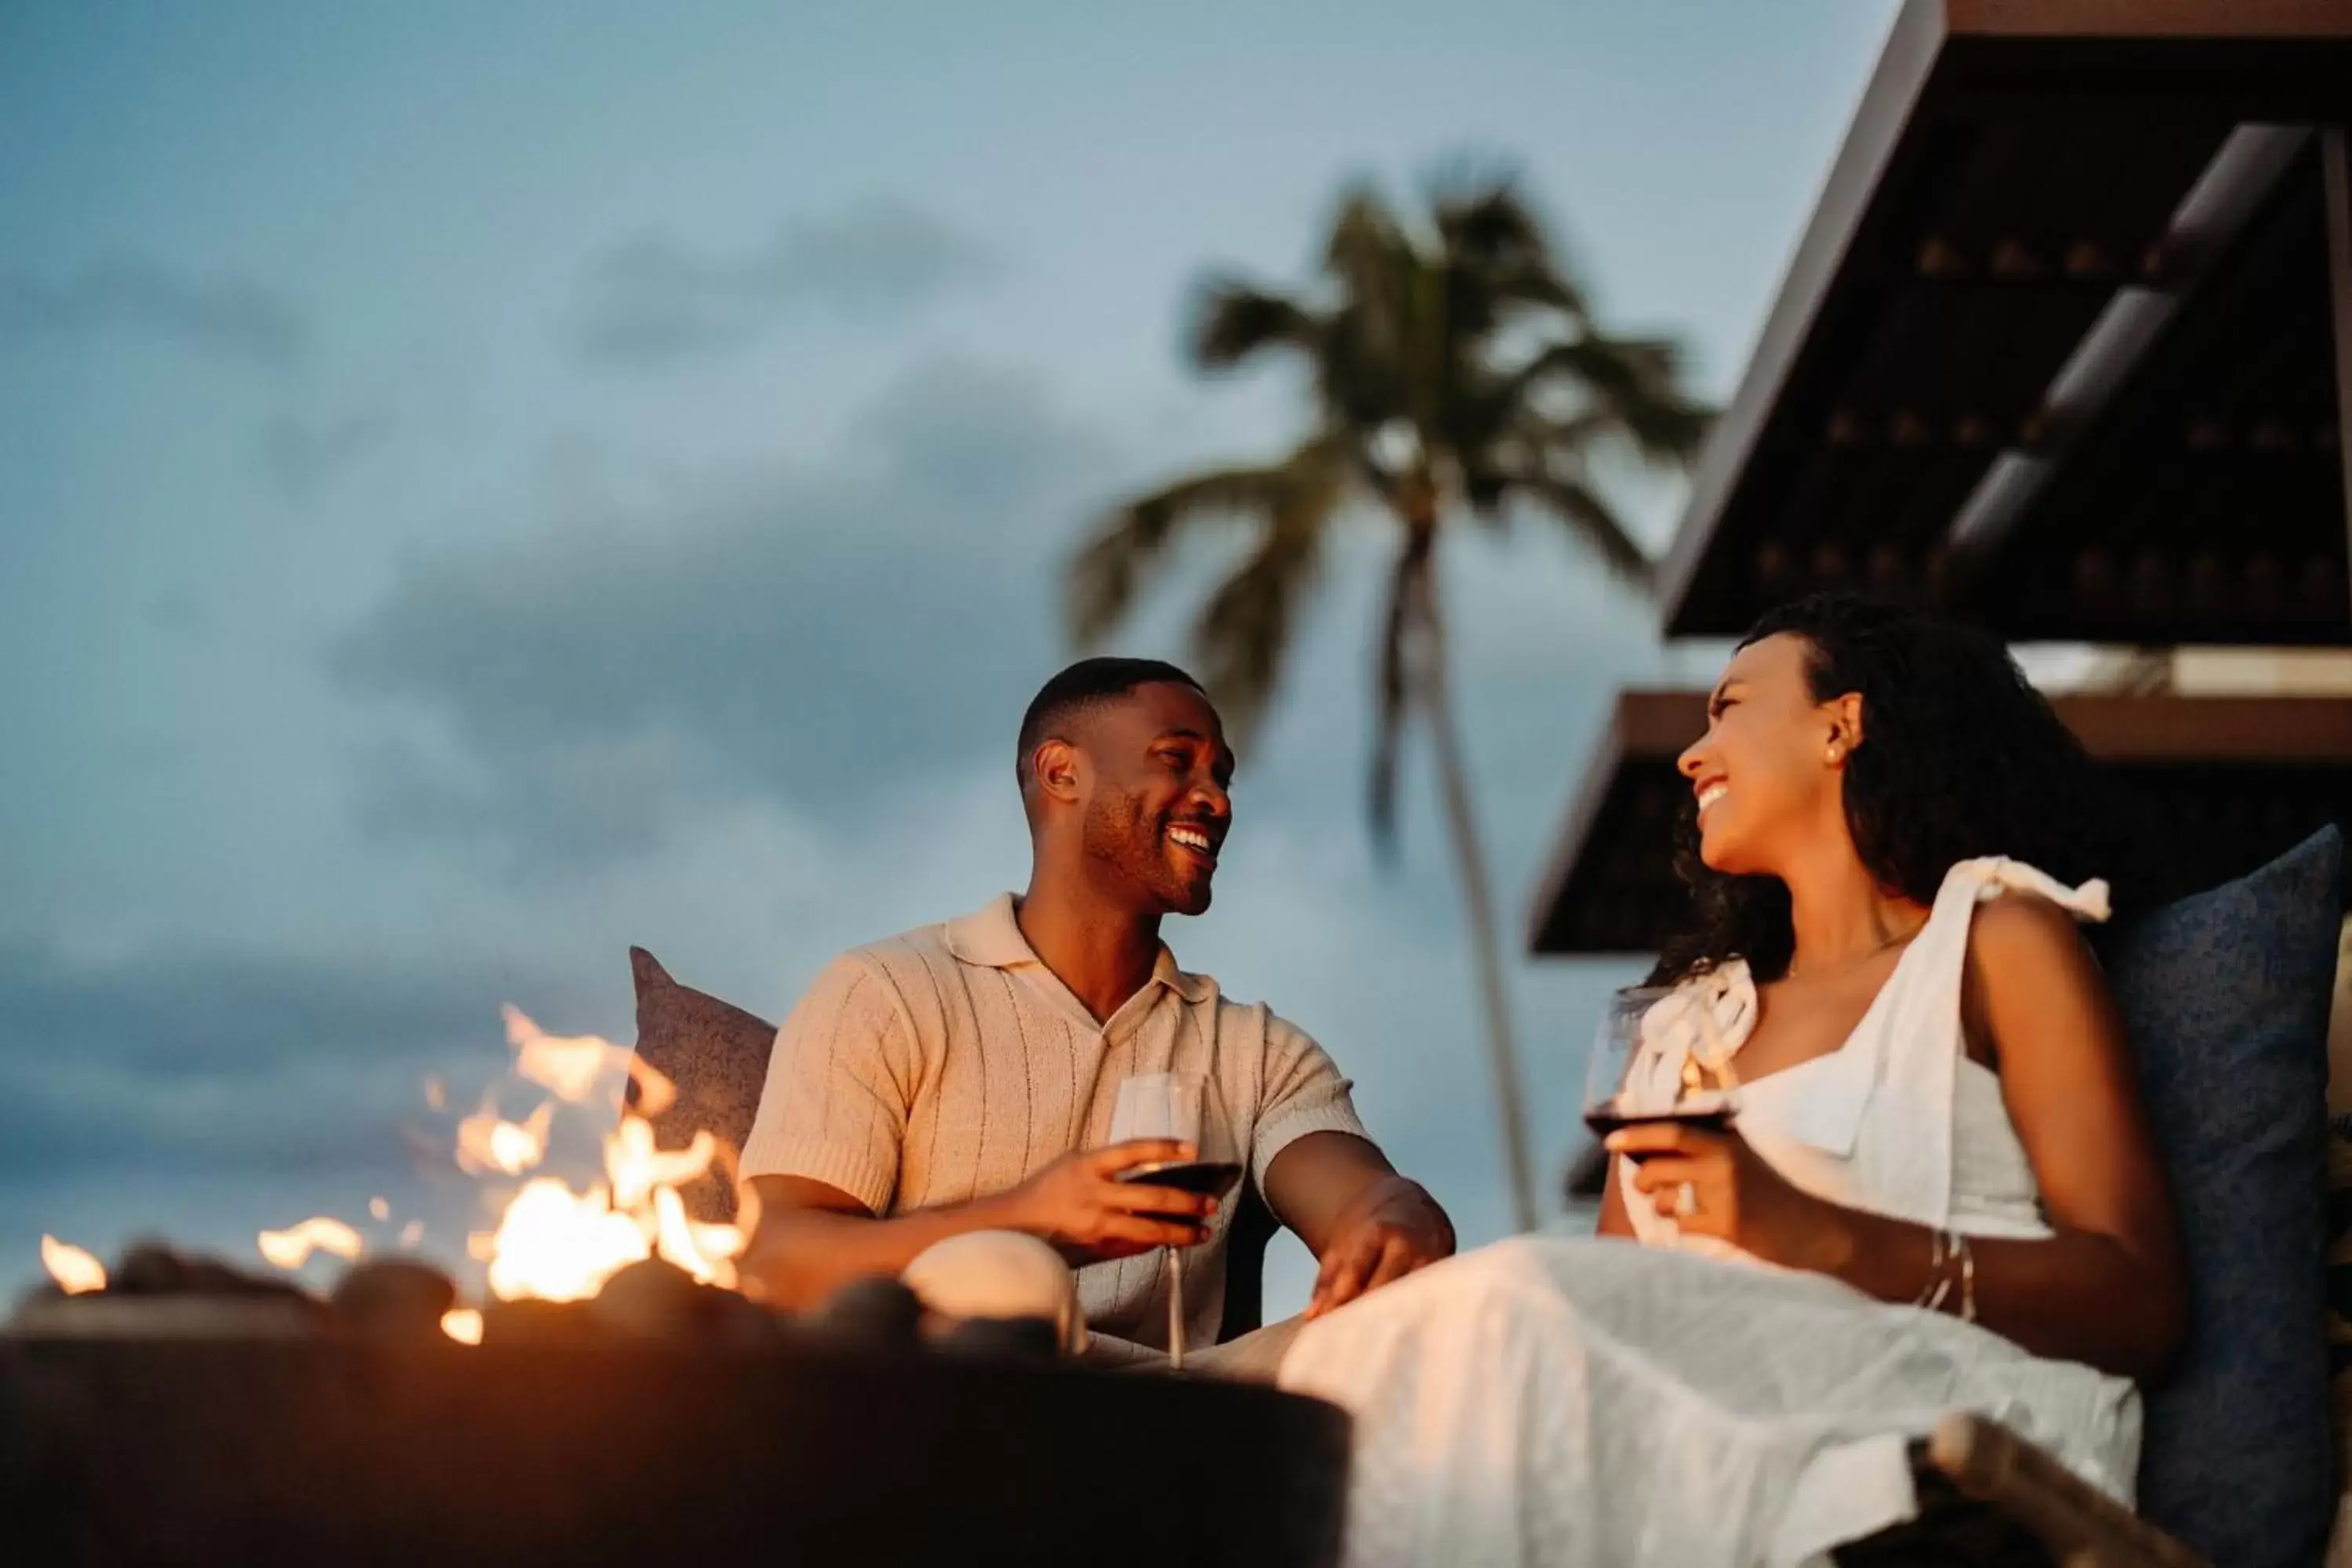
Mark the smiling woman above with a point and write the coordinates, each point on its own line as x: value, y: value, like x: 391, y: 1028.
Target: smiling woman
x: 1938, y: 1111
x: 1944, y: 752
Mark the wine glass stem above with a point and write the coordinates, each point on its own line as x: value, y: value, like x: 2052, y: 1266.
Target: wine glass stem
x: 1175, y: 1311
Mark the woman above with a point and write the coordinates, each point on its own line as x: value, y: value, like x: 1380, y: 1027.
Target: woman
x: 1940, y: 1192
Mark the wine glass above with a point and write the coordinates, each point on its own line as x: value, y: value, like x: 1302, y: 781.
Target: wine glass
x: 1658, y: 1056
x: 1177, y: 1106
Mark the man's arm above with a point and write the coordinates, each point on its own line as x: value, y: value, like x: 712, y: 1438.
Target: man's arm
x: 1366, y: 1225
x: 1331, y: 1184
x: 813, y: 1239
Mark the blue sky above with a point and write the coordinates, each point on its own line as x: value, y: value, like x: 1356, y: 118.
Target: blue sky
x: 484, y: 486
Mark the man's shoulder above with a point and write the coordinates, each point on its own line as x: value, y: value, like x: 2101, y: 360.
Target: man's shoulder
x: 1232, y: 1013
x: 917, y: 948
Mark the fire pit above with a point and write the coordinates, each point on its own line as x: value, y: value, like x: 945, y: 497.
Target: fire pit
x: 244, y: 1432
x: 613, y: 1399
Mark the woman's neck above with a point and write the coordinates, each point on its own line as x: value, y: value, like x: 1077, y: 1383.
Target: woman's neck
x: 1840, y: 916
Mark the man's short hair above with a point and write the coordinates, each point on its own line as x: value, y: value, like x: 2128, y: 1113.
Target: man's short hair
x: 1086, y: 684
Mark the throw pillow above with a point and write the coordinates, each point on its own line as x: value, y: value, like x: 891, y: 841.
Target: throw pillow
x: 2225, y: 996
x: 716, y: 1054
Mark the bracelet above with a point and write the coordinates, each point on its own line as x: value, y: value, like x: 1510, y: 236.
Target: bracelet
x: 1931, y: 1295
x: 1948, y: 1254
x: 1968, y: 1279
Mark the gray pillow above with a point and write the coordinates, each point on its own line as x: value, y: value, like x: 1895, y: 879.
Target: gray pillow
x: 716, y: 1054
x: 2225, y: 996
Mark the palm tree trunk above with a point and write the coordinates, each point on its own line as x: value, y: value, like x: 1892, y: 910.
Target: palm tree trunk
x: 1470, y: 863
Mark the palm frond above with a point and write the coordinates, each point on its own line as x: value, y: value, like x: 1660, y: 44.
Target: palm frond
x: 1635, y: 382
x: 1112, y: 570
x: 1493, y: 234
x: 1245, y: 628
x: 1591, y: 519
x: 1236, y: 320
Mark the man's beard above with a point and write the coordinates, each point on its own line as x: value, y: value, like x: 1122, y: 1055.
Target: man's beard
x: 1119, y: 835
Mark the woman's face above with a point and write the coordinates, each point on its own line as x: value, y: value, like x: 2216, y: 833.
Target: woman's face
x: 1765, y: 774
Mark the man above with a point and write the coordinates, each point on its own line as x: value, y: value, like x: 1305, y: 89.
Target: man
x: 961, y: 1077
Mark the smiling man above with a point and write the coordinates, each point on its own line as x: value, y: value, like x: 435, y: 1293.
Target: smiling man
x: 962, y: 1077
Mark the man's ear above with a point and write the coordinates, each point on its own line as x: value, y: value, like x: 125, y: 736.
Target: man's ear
x: 1056, y: 765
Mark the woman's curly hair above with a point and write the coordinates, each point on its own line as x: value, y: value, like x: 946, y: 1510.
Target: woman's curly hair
x: 1959, y: 757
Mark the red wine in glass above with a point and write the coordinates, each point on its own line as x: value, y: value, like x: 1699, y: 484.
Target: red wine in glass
x: 1210, y: 1178
x: 1706, y: 1112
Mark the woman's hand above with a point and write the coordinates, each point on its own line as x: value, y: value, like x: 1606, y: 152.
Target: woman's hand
x: 1731, y: 1194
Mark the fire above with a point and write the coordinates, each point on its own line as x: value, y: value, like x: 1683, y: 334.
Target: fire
x: 551, y: 1241
x: 559, y: 1246
x: 487, y: 1142
x: 291, y: 1247
x: 74, y: 1269
x: 562, y: 1245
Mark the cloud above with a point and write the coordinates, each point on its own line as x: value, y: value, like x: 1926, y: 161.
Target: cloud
x: 232, y: 317
x: 301, y: 453
x: 227, y: 1060
x: 654, y: 301
x: 794, y: 634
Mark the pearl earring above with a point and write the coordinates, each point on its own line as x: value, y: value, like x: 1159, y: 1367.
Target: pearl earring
x: 1836, y: 750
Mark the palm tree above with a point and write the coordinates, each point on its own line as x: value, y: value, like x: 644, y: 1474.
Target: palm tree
x: 1457, y: 371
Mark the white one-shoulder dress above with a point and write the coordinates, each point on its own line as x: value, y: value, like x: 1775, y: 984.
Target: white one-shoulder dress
x: 1575, y: 1402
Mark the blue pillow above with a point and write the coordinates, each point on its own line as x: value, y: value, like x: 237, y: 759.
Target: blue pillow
x: 2225, y: 997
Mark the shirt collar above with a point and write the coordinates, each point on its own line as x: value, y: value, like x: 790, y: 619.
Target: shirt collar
x: 991, y: 937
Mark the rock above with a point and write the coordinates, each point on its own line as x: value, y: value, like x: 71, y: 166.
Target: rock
x: 509, y: 1324
x: 153, y: 1268
x: 393, y: 1299
x: 651, y: 1300
x: 879, y: 1312
x: 148, y: 1268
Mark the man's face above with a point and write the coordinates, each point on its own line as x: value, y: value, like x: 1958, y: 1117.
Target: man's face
x: 1156, y: 809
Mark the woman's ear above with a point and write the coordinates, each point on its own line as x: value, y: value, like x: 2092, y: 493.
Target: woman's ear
x: 1845, y: 727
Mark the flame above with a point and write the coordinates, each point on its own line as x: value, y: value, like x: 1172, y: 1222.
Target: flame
x: 706, y: 1251
x: 551, y: 1241
x: 562, y: 1247
x: 561, y: 1244
x: 487, y: 1143
x: 74, y: 1271
x: 637, y: 1168
x: 290, y: 1248
x: 569, y: 1066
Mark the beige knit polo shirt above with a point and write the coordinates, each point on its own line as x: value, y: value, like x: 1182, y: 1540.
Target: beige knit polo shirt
x: 950, y: 1063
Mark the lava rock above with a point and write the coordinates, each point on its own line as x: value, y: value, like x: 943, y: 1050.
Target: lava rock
x: 1037, y: 1339
x: 650, y: 1299
x: 530, y: 1322
x: 393, y: 1299
x: 153, y: 1268
x: 655, y: 1300
x: 879, y: 1312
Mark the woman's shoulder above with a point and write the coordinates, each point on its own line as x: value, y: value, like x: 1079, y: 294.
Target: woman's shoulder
x: 2020, y: 922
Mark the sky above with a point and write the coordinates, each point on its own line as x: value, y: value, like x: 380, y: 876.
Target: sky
x: 481, y: 486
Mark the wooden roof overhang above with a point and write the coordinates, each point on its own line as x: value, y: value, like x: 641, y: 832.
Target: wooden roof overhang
x: 2060, y: 348
x: 2233, y: 780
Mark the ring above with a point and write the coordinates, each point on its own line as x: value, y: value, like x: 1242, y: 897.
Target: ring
x: 1686, y: 1199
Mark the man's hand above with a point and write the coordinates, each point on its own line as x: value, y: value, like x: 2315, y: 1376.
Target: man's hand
x: 1078, y: 1205
x: 1391, y: 1228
